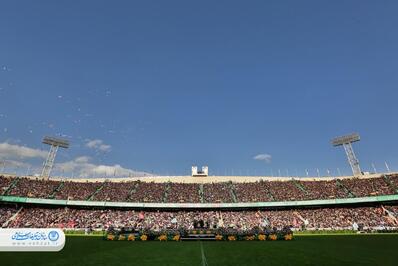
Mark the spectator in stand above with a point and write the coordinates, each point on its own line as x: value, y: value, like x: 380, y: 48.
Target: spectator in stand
x: 34, y: 188
x: 368, y: 187
x: 138, y: 191
x: 148, y: 192
x: 115, y: 191
x: 394, y: 180
x: 77, y: 190
x: 323, y: 190
x: 253, y: 192
x: 182, y: 193
x: 217, y: 193
x: 5, y: 182
x: 286, y: 190
x: 320, y: 218
x: 6, y: 212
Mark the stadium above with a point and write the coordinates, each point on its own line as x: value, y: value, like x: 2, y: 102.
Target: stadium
x: 198, y: 132
x: 203, y: 218
x: 219, y: 209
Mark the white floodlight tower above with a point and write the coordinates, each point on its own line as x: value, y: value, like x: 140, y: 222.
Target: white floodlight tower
x: 346, y: 142
x: 55, y: 143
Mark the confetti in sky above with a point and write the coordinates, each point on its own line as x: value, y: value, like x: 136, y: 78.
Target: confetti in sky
x: 201, y: 84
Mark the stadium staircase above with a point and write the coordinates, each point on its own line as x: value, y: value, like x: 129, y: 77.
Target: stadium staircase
x: 56, y: 190
x: 300, y: 187
x: 91, y: 197
x: 232, y: 192
x: 347, y: 191
x: 270, y: 195
x: 299, y: 216
x: 166, y: 192
x: 132, y: 191
x: 390, y: 183
x: 12, y: 218
x: 390, y: 215
x: 12, y: 185
x: 201, y: 194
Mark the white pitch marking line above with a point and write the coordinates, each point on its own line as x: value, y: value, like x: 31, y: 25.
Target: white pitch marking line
x: 204, y: 260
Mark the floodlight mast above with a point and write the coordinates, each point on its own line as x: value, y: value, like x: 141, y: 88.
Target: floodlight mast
x: 54, y: 143
x: 346, y: 142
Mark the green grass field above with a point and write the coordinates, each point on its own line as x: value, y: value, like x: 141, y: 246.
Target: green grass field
x: 303, y: 250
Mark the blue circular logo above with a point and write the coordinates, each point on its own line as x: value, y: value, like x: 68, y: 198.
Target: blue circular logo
x: 53, y: 235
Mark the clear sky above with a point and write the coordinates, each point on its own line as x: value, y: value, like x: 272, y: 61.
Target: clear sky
x: 157, y: 86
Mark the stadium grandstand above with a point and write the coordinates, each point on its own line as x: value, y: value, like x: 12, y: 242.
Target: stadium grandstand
x: 198, y: 133
x: 368, y: 202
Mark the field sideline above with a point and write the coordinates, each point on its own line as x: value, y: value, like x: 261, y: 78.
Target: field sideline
x: 304, y: 250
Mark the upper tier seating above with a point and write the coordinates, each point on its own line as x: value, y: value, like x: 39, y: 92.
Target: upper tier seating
x: 227, y: 192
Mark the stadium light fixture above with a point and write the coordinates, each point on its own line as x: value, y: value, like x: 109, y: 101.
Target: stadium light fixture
x: 346, y: 142
x: 54, y: 143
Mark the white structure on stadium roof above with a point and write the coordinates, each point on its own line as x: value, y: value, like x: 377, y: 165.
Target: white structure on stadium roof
x: 203, y: 172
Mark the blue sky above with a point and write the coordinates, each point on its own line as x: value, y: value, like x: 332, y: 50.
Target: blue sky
x: 162, y: 85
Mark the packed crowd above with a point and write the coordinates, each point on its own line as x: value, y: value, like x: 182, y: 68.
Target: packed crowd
x: 148, y: 192
x: 33, y: 188
x: 257, y: 192
x: 76, y: 190
x: 217, y: 192
x: 178, y: 192
x: 6, y: 213
x: 393, y: 210
x: 286, y: 190
x: 115, y: 191
x: 323, y: 190
x: 320, y: 218
x: 394, y: 180
x: 368, y: 187
x: 260, y: 191
x: 4, y: 184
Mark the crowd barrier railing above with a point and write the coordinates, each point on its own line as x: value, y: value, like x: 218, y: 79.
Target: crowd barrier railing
x: 143, y: 205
